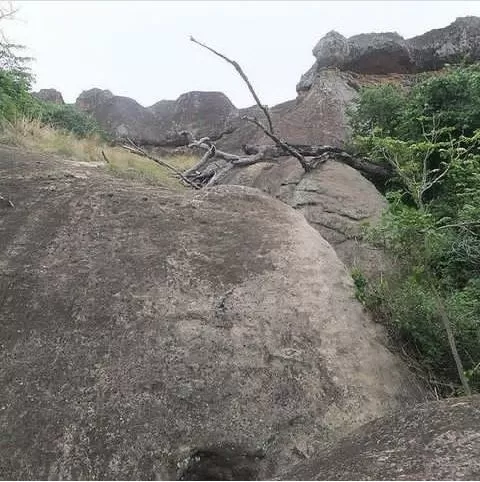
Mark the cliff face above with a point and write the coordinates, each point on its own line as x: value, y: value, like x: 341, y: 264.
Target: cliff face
x: 385, y: 53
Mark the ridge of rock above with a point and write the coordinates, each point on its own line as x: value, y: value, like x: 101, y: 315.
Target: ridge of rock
x: 389, y: 52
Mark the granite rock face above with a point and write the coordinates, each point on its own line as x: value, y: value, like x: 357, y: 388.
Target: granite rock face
x: 334, y: 198
x: 149, y: 334
x: 435, y: 441
x: 120, y: 116
x: 201, y: 113
x: 386, y: 53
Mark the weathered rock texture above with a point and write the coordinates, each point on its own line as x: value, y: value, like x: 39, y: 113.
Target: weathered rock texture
x: 49, y: 95
x: 201, y: 113
x: 153, y: 335
x: 437, y: 441
x: 317, y: 116
x: 334, y: 198
x: 120, y: 116
x: 385, y: 53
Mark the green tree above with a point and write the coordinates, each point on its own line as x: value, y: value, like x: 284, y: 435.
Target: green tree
x: 431, y: 136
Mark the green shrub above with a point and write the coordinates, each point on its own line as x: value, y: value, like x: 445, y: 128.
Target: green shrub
x: 66, y: 117
x: 431, y: 229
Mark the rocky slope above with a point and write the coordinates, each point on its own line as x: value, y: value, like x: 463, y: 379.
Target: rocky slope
x: 334, y: 198
x: 435, y: 441
x: 155, y: 335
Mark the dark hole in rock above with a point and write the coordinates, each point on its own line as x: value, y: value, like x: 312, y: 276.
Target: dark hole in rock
x: 223, y: 464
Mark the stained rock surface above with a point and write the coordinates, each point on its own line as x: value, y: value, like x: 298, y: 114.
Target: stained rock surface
x: 151, y: 334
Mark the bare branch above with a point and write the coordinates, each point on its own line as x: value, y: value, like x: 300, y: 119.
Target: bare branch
x: 242, y: 74
x: 286, y: 147
x: 139, y: 151
x: 210, y: 152
x: 451, y: 341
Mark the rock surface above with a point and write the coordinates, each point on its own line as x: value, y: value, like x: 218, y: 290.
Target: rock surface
x: 120, y: 116
x: 457, y: 42
x: 436, y: 441
x: 317, y: 115
x: 201, y: 113
x: 153, y: 335
x: 49, y: 95
x: 385, y: 53
x: 334, y: 198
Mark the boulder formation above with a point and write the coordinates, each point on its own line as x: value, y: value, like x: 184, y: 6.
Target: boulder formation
x: 151, y: 334
x: 201, y: 113
x: 436, y: 441
x: 386, y: 53
x: 49, y: 95
x: 334, y: 198
x: 120, y: 116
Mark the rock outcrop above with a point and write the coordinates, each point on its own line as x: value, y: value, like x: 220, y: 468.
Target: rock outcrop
x: 201, y: 113
x: 386, y: 53
x: 149, y: 334
x: 121, y: 117
x: 49, y: 95
x: 436, y: 441
x: 458, y: 42
x: 163, y: 109
x: 334, y: 198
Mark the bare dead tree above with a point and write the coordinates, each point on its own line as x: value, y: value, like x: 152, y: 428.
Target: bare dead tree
x: 215, y: 164
x: 268, y: 130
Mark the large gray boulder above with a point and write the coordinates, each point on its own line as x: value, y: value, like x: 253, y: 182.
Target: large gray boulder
x: 149, y: 334
x: 163, y: 109
x: 386, y: 53
x: 201, y: 113
x: 333, y: 49
x: 120, y: 116
x: 334, y: 198
x: 436, y: 441
x: 373, y: 53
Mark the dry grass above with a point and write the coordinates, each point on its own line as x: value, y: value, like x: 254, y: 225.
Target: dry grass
x: 30, y: 134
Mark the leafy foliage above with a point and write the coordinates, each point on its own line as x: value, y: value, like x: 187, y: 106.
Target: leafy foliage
x: 430, y: 134
x: 66, y: 117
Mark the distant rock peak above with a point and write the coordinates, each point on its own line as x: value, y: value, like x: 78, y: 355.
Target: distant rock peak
x: 49, y: 95
x: 389, y: 52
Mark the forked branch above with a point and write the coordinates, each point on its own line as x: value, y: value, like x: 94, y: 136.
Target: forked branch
x: 242, y: 74
x: 133, y: 148
x: 286, y: 147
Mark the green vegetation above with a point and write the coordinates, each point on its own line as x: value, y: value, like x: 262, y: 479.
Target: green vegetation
x: 17, y: 102
x: 430, y: 134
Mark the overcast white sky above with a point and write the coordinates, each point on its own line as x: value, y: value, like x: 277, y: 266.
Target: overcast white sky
x: 141, y: 49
